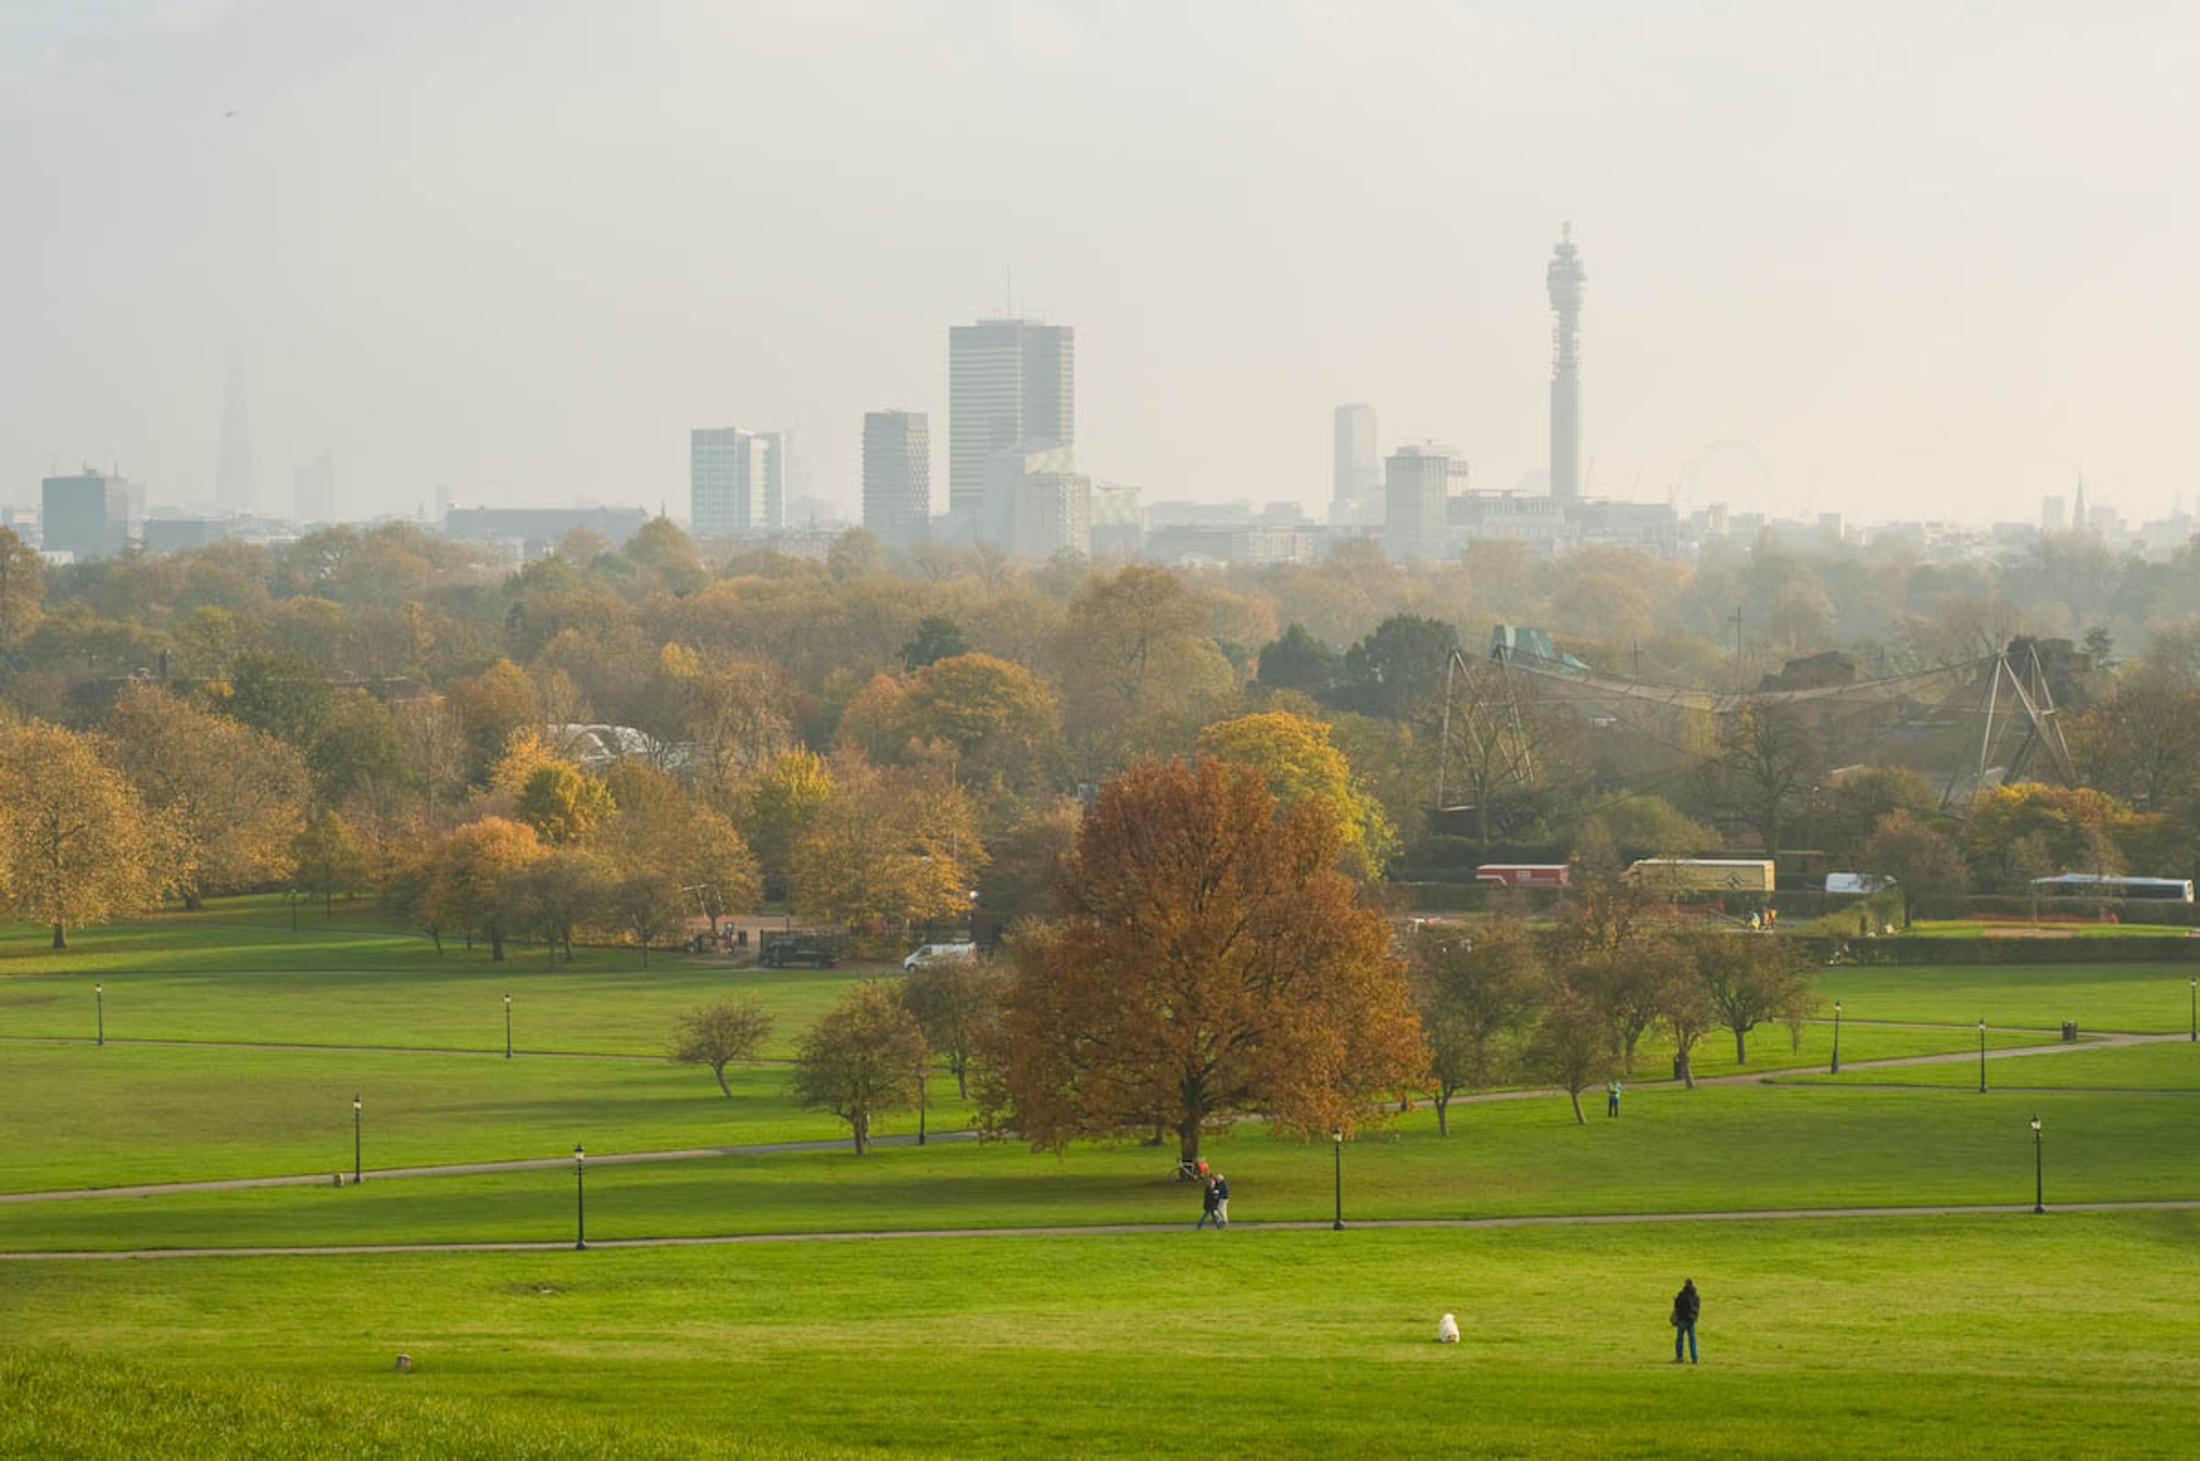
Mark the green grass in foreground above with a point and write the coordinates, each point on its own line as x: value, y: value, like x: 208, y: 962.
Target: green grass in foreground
x: 1715, y: 1149
x: 1989, y: 1336
x: 82, y: 1116
x: 2150, y: 998
x: 2169, y: 1066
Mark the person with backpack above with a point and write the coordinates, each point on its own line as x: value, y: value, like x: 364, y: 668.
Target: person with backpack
x: 1687, y: 1304
x: 1612, y: 1088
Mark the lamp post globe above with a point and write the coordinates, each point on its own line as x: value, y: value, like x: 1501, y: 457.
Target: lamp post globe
x: 2039, y: 1186
x: 580, y: 1198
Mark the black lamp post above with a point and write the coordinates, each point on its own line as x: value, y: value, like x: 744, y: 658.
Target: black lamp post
x: 580, y: 1197
x: 355, y: 1119
x: 99, y: 1011
x: 1336, y: 1140
x: 507, y: 1026
x: 1836, y: 1037
x: 2039, y: 1189
x: 1982, y: 1055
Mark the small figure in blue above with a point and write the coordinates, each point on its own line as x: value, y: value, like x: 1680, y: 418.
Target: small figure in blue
x: 1612, y: 1088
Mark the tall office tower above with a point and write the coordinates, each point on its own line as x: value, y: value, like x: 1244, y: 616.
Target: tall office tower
x: 897, y: 476
x: 233, y: 471
x: 313, y: 490
x: 1356, y: 486
x: 1564, y: 278
x: 1008, y: 382
x: 2051, y: 514
x: 735, y: 482
x: 1416, y: 495
x: 87, y: 515
x: 2079, y: 522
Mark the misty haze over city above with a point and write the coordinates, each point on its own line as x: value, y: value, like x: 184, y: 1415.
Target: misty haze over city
x: 1877, y: 260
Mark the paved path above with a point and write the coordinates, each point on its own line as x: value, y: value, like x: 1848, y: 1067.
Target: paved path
x: 1105, y: 1229
x: 537, y: 1164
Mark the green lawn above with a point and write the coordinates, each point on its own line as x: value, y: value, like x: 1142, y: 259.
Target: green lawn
x: 82, y: 1116
x: 2014, y: 1336
x: 622, y: 1009
x: 1724, y: 1148
x: 2171, y: 1066
x: 2150, y: 998
x: 2133, y: 926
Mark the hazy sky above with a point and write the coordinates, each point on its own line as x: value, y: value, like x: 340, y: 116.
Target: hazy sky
x: 1919, y: 259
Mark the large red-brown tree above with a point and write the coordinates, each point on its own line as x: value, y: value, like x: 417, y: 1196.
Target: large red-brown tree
x: 1206, y: 960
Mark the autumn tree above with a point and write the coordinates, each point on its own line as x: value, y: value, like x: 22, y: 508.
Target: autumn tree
x: 887, y: 850
x: 1574, y: 1046
x: 938, y: 637
x: 1475, y: 992
x: 1025, y: 862
x: 328, y: 859
x: 462, y: 871
x: 435, y: 745
x: 864, y: 1057
x: 1000, y: 722
x: 1135, y: 665
x: 1918, y: 858
x: 1207, y: 959
x: 646, y: 905
x: 1629, y: 985
x: 562, y: 803
x: 77, y: 844
x: 1749, y: 980
x: 22, y: 589
x: 1295, y: 756
x: 231, y: 795
x: 553, y: 896
x: 781, y: 804
x: 1684, y: 1011
x: 493, y: 704
x: 720, y: 1033
x: 955, y: 1001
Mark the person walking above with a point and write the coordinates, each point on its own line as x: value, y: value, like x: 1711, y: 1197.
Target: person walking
x: 1222, y: 1201
x: 1210, y: 1206
x: 1687, y: 1304
x: 1612, y: 1088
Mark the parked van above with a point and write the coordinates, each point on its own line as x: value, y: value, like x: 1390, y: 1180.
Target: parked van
x: 939, y: 951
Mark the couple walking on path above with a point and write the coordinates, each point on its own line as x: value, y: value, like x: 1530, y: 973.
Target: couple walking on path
x: 1214, y: 1203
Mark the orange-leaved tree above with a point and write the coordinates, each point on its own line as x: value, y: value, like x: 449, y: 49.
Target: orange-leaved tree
x: 1207, y: 959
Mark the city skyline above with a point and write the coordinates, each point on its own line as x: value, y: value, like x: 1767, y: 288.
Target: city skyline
x: 1821, y: 282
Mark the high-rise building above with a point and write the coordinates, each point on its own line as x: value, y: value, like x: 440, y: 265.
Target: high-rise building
x: 1564, y: 278
x: 1118, y: 527
x: 1416, y: 486
x: 2078, y: 518
x: 87, y: 516
x: 1008, y: 382
x: 2051, y: 513
x: 1356, y: 485
x: 313, y: 490
x: 1036, y: 504
x: 233, y: 488
x: 735, y: 481
x: 897, y: 476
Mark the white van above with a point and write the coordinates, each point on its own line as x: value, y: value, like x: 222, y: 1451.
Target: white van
x: 940, y: 951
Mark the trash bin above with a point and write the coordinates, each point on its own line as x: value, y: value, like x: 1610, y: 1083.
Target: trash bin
x: 2070, y: 1030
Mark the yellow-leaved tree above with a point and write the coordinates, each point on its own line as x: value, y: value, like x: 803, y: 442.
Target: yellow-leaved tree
x: 77, y: 843
x: 1294, y: 754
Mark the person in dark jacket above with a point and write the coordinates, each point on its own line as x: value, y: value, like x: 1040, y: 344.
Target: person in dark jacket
x: 1687, y: 1304
x: 1210, y: 1204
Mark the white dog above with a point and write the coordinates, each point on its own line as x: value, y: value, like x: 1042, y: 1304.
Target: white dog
x: 1447, y: 1330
